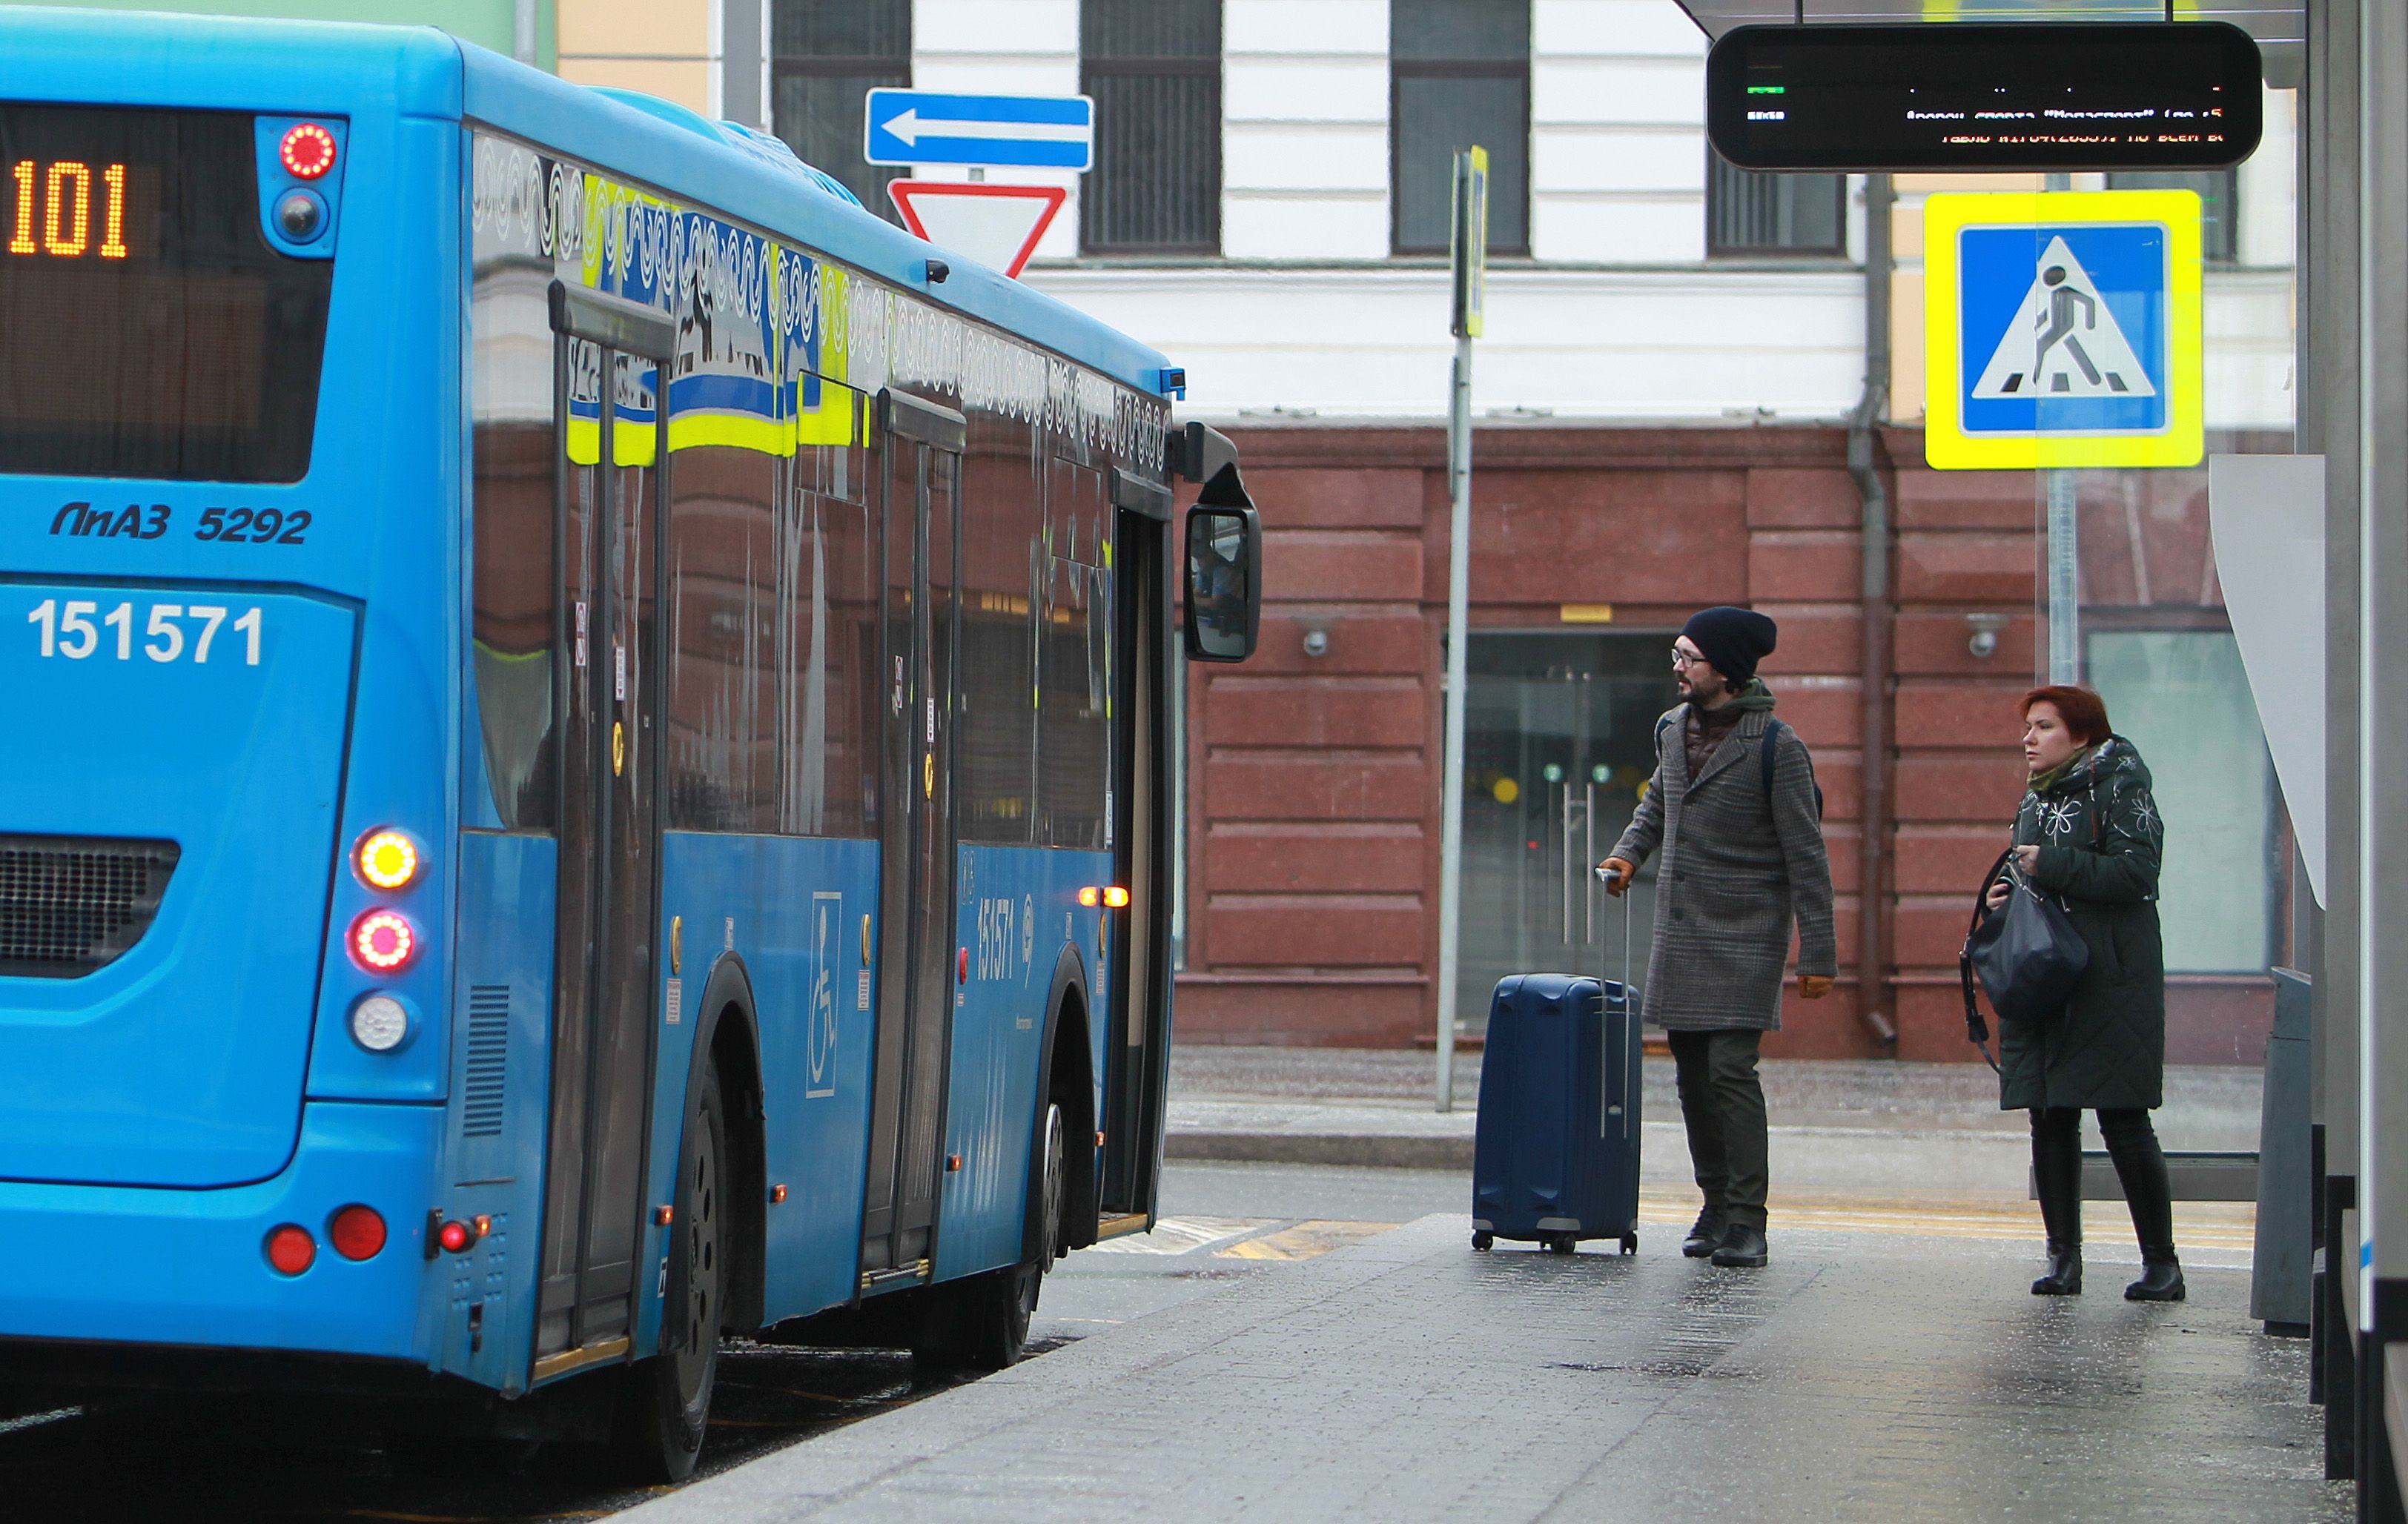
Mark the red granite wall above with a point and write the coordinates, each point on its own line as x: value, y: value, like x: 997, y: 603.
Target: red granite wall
x: 1314, y: 782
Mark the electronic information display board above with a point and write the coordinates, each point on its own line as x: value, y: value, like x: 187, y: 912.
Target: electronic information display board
x: 1963, y: 96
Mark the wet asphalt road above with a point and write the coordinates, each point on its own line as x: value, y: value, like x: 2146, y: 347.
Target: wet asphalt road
x: 170, y: 1458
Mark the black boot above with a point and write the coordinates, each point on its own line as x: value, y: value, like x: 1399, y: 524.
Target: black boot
x: 1707, y: 1236
x: 1742, y: 1248
x: 2056, y: 1176
x: 2141, y: 1165
x: 2160, y: 1279
x: 2064, y: 1277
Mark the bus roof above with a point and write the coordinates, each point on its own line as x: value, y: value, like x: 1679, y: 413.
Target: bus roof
x: 239, y: 64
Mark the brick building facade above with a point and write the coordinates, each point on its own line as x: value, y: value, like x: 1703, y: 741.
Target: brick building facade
x: 1313, y: 782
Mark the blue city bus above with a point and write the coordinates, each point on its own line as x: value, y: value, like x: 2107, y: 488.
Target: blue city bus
x: 587, y: 741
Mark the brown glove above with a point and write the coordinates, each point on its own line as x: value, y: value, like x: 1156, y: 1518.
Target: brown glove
x: 1617, y: 874
x: 1814, y: 986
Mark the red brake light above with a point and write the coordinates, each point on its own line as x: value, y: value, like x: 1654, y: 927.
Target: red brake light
x: 308, y: 151
x: 357, y: 1232
x: 291, y: 1249
x: 454, y: 1237
x: 383, y: 941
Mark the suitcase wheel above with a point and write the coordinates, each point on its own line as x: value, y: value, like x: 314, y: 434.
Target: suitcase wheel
x: 1562, y: 1243
x: 1629, y: 1242
x: 1482, y: 1240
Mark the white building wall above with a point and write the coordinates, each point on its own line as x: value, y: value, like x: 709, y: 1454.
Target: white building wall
x: 1617, y: 314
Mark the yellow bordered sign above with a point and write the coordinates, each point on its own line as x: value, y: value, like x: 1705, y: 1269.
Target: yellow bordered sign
x: 2062, y: 329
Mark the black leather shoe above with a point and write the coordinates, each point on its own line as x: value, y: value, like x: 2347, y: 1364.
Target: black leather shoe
x: 2064, y: 1277
x: 1743, y: 1249
x: 1707, y: 1236
x: 2161, y: 1281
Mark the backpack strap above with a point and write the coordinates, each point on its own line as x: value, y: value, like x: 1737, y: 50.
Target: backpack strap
x: 1766, y: 752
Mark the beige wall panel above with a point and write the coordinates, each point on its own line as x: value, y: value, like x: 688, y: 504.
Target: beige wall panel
x: 644, y: 27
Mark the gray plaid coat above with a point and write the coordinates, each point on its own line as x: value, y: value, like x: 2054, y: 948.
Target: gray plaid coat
x: 1738, y: 864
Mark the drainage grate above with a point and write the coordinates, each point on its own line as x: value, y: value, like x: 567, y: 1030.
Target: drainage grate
x: 70, y: 904
x: 488, y: 1044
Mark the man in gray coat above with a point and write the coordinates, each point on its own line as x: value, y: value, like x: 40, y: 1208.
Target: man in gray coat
x: 1734, y: 806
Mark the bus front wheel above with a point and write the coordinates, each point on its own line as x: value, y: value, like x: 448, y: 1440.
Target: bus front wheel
x: 667, y: 1406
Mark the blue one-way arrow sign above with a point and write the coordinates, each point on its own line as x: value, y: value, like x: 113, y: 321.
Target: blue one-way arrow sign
x: 1037, y: 131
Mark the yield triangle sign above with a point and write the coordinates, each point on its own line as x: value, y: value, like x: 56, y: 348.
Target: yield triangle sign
x: 2064, y: 342
x: 997, y: 225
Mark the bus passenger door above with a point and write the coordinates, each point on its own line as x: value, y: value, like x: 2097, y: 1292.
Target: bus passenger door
x: 1137, y: 1064
x: 921, y: 444
x: 606, y: 542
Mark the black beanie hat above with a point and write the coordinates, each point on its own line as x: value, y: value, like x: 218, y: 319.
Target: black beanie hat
x: 1732, y: 640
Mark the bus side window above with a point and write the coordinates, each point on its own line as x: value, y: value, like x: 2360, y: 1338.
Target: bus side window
x: 512, y: 579
x: 1003, y: 561
x: 1073, y: 745
x: 829, y: 742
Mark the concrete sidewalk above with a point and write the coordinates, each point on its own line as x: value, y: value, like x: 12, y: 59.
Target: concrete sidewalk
x: 1861, y: 1376
x: 1836, y: 1125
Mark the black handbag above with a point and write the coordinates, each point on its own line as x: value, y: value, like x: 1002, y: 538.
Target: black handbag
x: 2026, y: 953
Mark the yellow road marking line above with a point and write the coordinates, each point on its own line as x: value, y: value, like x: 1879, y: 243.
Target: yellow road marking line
x: 1303, y: 1241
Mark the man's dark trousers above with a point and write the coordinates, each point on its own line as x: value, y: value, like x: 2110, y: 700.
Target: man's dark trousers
x: 1723, y: 1105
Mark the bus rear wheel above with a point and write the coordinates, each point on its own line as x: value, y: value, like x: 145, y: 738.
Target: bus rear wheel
x: 666, y: 1409
x: 981, y: 1321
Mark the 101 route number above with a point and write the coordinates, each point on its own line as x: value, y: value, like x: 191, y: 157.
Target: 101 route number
x: 70, y: 630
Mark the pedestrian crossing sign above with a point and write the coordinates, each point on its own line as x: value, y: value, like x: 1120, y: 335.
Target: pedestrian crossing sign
x: 2062, y: 329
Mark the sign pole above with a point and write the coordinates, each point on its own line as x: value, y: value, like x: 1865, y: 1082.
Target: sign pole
x: 1469, y: 241
x: 2064, y: 532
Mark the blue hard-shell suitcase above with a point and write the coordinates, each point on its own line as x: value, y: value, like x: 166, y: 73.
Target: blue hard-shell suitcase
x: 1557, y: 1156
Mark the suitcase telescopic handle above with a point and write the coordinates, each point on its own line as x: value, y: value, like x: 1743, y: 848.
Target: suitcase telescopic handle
x: 1615, y: 1112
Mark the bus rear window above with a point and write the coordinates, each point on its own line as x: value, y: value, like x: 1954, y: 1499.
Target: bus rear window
x: 146, y: 328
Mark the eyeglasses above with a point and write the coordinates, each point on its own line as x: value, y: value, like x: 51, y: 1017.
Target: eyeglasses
x: 1683, y: 658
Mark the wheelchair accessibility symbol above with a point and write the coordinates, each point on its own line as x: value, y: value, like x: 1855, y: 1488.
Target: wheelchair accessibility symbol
x: 2063, y: 329
x: 828, y: 919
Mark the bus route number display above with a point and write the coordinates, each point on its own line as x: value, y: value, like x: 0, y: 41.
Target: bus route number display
x: 74, y: 208
x: 2082, y: 96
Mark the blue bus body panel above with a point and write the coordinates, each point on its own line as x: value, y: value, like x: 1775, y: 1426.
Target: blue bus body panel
x: 381, y: 558
x: 179, y: 1064
x: 1019, y: 912
x: 500, y: 1087
x: 190, y: 1267
x: 788, y: 909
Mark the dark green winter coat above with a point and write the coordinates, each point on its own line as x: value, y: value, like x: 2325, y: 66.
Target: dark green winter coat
x: 2100, y: 841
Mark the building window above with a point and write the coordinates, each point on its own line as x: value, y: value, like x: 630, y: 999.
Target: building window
x: 2219, y: 205
x: 825, y: 56
x: 1752, y: 213
x: 1153, y: 70
x: 1460, y: 79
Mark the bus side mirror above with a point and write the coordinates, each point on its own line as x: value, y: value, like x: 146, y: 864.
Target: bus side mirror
x: 1225, y: 582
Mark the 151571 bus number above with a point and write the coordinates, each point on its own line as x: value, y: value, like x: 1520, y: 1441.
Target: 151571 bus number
x: 75, y: 628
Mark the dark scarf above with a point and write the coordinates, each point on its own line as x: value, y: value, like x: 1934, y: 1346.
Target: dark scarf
x: 1708, y: 727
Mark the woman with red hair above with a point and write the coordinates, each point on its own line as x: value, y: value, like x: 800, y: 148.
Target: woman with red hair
x: 2087, y: 835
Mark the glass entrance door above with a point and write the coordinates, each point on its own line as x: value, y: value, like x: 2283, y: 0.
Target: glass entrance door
x: 1558, y: 743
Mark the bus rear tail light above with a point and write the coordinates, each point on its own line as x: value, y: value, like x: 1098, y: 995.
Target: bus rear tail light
x: 386, y: 859
x: 1116, y: 898
x: 291, y: 1249
x: 308, y: 151
x: 357, y: 1232
x: 383, y: 941
x: 1091, y: 897
x: 455, y: 1237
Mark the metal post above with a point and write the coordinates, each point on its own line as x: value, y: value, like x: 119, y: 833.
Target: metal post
x: 2064, y: 579
x: 1459, y: 607
x: 2064, y: 555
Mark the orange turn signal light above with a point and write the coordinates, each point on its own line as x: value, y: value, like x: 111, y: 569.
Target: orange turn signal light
x: 386, y: 859
x: 1116, y: 898
x: 1091, y: 897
